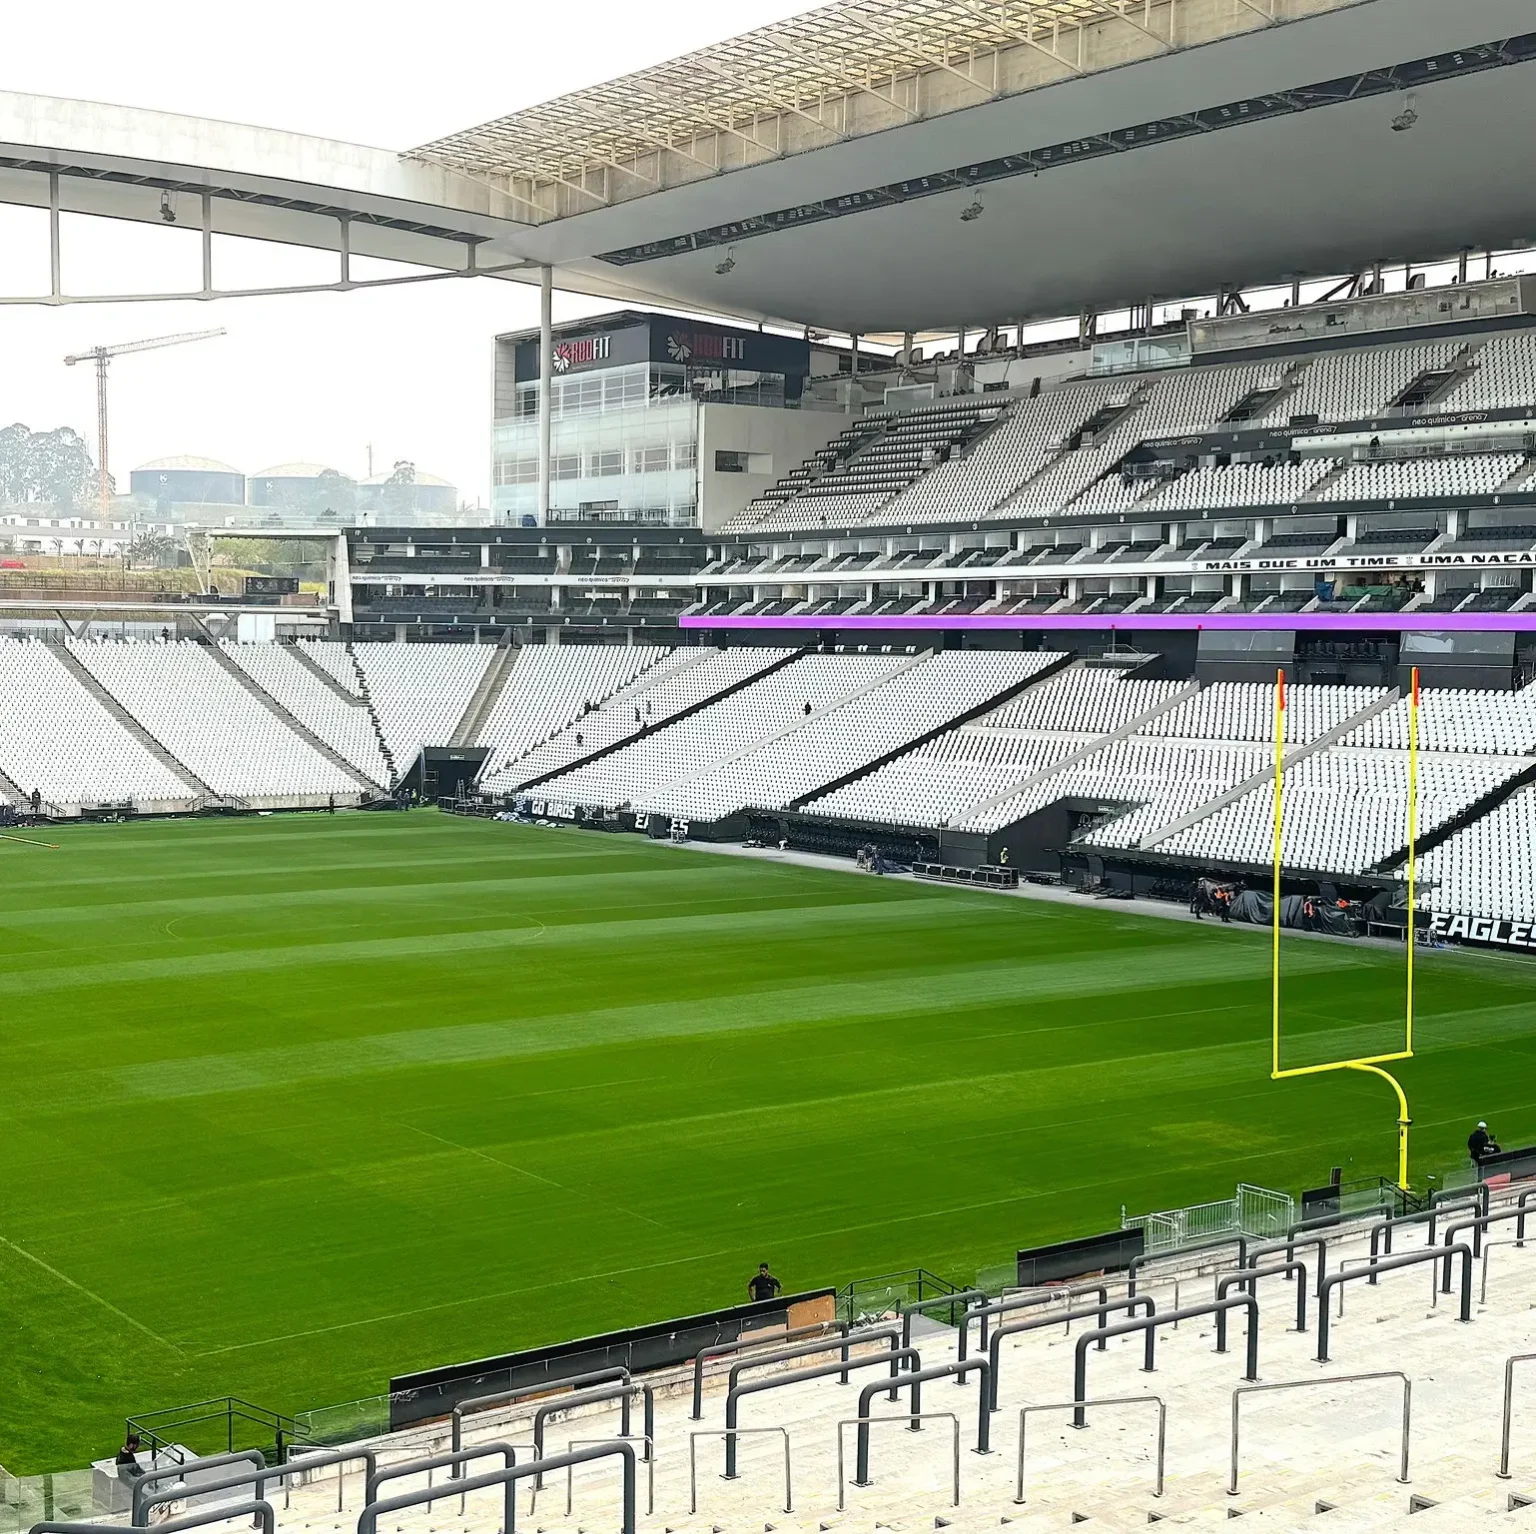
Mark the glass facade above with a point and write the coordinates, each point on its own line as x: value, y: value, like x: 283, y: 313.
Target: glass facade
x: 623, y: 448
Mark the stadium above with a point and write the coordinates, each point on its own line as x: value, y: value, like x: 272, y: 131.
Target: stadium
x: 957, y: 857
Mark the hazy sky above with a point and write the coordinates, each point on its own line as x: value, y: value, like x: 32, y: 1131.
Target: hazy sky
x: 317, y: 376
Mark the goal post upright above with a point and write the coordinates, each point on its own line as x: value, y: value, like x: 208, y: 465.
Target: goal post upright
x: 1371, y: 1064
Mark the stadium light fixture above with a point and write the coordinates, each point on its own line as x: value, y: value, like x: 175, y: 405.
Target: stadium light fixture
x: 727, y: 266
x: 1407, y: 117
x: 971, y: 214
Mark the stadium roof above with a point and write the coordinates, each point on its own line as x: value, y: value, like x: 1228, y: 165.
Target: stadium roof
x: 865, y: 48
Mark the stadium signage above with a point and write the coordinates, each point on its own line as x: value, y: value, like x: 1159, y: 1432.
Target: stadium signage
x: 1521, y: 560
x: 582, y: 353
x: 1484, y: 931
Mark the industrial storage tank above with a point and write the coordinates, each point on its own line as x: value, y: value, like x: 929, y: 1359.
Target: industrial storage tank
x: 425, y: 494
x: 188, y: 480
x: 294, y: 485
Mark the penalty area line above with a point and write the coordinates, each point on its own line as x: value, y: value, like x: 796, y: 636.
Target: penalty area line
x: 90, y: 1294
x: 27, y: 841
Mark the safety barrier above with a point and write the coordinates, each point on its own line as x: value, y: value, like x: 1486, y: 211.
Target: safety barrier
x: 1337, y: 1379
x: 1076, y: 1407
x: 914, y: 1423
x: 512, y: 1396
x: 1131, y: 1305
x: 1388, y: 1265
x: 741, y: 1344
x: 570, y: 1475
x: 594, y: 1397
x: 1149, y: 1326
x: 1138, y: 1263
x: 507, y: 1479
x: 797, y: 1377
x: 143, y: 1502
x: 1509, y: 1408
x: 1249, y: 1279
x: 730, y: 1433
x: 175, y: 1472
x: 914, y: 1380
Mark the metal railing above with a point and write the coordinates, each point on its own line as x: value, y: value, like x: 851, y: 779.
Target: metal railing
x: 513, y: 1394
x: 1148, y: 1325
x: 570, y: 1474
x: 741, y: 1344
x: 864, y: 1424
x: 1479, y: 1228
x: 507, y: 1478
x: 1249, y: 1278
x: 883, y: 1287
x: 158, y: 1429
x: 729, y: 1433
x: 1075, y: 1407
x: 1488, y: 1246
x: 259, y: 1512
x: 1509, y: 1408
x: 1139, y: 1262
x: 144, y: 1500
x: 1337, y: 1379
x: 452, y: 1460
x: 914, y: 1381
x: 160, y: 1473
x: 1102, y: 1310
x: 1432, y: 1254
x: 599, y: 1395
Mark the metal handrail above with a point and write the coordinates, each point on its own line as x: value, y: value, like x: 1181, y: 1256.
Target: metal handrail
x: 1144, y: 1258
x: 516, y: 1393
x: 863, y: 1425
x: 431, y: 1462
x: 258, y: 1511
x: 1249, y: 1279
x: 1479, y: 1227
x: 1336, y: 1379
x: 910, y: 1308
x: 1367, y: 1262
x: 890, y: 1332
x: 1433, y: 1254
x: 175, y: 1473
x: 597, y: 1396
x: 143, y: 1501
x: 1488, y: 1246
x: 1149, y: 1326
x: 507, y: 1478
x: 1075, y: 1407
x: 1068, y: 1292
x: 1103, y: 1310
x: 740, y: 1344
x: 1509, y: 1404
x: 1382, y: 1230
x: 733, y: 1432
x: 914, y: 1381
x: 909, y: 1356
x: 570, y: 1474
x: 1289, y: 1246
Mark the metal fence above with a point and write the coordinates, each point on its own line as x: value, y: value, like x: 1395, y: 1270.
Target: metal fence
x: 1251, y: 1211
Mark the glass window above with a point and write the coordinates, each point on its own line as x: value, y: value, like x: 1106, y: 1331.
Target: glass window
x: 600, y: 465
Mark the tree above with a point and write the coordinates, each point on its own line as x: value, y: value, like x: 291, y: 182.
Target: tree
x: 333, y: 492
x: 151, y: 548
x: 398, y: 495
x: 54, y: 467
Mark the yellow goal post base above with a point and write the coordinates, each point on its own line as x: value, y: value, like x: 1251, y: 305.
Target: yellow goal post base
x: 1371, y: 1064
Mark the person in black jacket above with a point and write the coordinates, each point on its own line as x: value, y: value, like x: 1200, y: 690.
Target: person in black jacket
x: 1480, y: 1143
x: 763, y: 1285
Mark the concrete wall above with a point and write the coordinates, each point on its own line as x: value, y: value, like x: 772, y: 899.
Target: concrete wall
x: 781, y: 439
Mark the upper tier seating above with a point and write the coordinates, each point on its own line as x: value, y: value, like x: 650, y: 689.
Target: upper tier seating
x: 1246, y: 711
x: 1503, y: 376
x: 345, y: 727
x: 1242, y: 484
x: 58, y: 739
x: 205, y: 718
x: 1451, y: 719
x: 547, y: 689
x: 1406, y: 478
x: 1357, y: 385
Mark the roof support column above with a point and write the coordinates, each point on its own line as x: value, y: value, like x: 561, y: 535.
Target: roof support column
x: 546, y: 376
x: 853, y: 377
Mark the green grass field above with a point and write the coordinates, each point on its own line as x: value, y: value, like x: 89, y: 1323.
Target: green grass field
x: 289, y: 1105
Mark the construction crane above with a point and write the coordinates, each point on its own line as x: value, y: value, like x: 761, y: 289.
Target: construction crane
x: 101, y: 356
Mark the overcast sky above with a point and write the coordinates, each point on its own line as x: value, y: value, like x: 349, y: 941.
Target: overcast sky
x: 317, y: 376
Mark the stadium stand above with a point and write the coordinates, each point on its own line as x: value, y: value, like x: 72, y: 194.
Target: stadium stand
x: 342, y: 722
x: 200, y: 714
x: 1489, y: 867
x: 550, y: 687
x: 419, y: 692
x: 1406, y: 478
x: 59, y: 740
x: 1193, y: 1444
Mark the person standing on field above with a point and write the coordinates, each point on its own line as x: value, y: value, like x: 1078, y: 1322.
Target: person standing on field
x: 763, y: 1285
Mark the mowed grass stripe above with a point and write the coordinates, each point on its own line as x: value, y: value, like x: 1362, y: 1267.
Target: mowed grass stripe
x: 399, y: 1090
